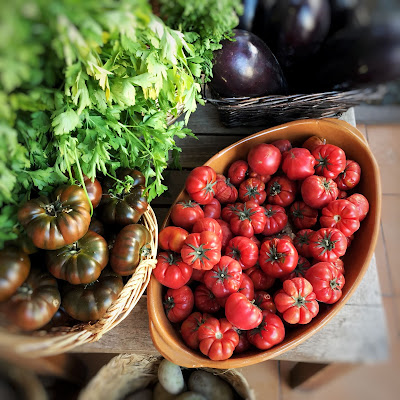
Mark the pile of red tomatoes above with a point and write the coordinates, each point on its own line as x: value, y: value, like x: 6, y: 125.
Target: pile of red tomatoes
x: 255, y: 252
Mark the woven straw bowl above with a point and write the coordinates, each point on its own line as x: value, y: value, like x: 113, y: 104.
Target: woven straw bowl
x: 58, y: 340
x: 128, y: 373
x: 356, y: 260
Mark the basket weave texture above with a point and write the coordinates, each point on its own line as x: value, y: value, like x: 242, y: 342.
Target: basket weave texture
x: 275, y: 110
x: 61, y: 339
x: 128, y: 373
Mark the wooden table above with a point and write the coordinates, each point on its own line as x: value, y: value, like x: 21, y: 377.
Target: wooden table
x: 356, y: 335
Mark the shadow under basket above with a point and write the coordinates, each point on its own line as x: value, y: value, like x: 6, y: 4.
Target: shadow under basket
x: 274, y: 110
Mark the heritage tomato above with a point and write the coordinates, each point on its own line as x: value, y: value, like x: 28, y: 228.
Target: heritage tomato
x: 237, y: 172
x: 178, y: 303
x: 81, y: 262
x: 282, y: 144
x: 302, y: 242
x: 197, y: 275
x: 327, y: 282
x: 278, y: 257
x: 200, y: 184
x: 225, y: 277
x: 226, y: 233
x: 331, y: 160
x: 361, y: 202
x: 14, y: 269
x: 349, y: 177
x: 212, y: 209
x: 246, y: 288
x: 241, y: 312
x: 252, y: 189
x: 248, y: 220
x: 260, y: 279
x: 205, y: 300
x: 296, y: 301
x: 97, y: 226
x: 269, y: 333
x: 217, y: 339
x: 243, y: 250
x: 299, y: 272
x: 54, y: 222
x: 262, y: 178
x: 224, y: 190
x: 185, y: 213
x: 313, y: 142
x: 342, y: 215
x: 328, y: 244
x: 281, y: 191
x: 171, y: 271
x: 302, y: 215
x: 298, y: 164
x: 202, y: 250
x: 264, y: 301
x: 190, y: 328
x: 264, y: 159
x: 276, y: 219
x: 318, y: 191
x: 209, y: 225
x: 228, y: 211
x: 172, y: 238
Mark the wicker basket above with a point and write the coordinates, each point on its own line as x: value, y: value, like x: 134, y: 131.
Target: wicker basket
x: 269, y: 111
x: 127, y: 373
x: 61, y: 339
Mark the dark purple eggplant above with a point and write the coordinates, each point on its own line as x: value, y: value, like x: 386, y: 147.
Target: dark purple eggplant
x: 294, y: 29
x: 358, y: 57
x: 246, y: 67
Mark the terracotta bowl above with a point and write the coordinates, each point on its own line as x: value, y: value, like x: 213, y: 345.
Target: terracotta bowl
x: 167, y: 339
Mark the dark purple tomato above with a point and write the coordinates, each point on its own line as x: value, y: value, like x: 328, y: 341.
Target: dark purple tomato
x: 246, y: 67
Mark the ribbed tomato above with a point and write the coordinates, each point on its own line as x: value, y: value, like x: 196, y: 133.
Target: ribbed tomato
x: 244, y: 250
x: 178, y: 303
x: 200, y: 184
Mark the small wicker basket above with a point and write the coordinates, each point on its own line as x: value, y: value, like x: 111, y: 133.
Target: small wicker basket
x: 61, y: 339
x: 274, y: 110
x: 128, y: 373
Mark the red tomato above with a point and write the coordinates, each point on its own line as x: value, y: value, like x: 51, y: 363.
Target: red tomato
x: 278, y: 257
x: 298, y: 164
x: 190, y: 328
x: 264, y: 301
x: 209, y: 225
x: 178, y: 303
x: 299, y: 272
x: 342, y: 215
x: 281, y: 191
x: 172, y: 238
x: 198, y: 275
x: 296, y: 301
x: 212, y: 209
x: 302, y: 242
x: 264, y: 159
x: 237, y: 172
x: 225, y: 192
x: 185, y: 214
x: 327, y: 282
x: 302, y: 215
x: 217, y: 339
x: 205, y: 300
x: 260, y: 279
x: 244, y: 343
x: 248, y: 220
x: 241, y: 312
x: 318, y: 191
x: 276, y: 219
x: 228, y: 211
x: 269, y: 333
x: 282, y: 144
x: 328, y: 244
x: 350, y: 177
x: 262, y: 178
x: 252, y: 189
x: 313, y: 142
x: 243, y: 250
x: 226, y: 233
x: 202, y: 250
x: 200, y: 184
x: 361, y: 203
x: 246, y: 288
x: 225, y: 277
x: 331, y: 160
x: 171, y: 271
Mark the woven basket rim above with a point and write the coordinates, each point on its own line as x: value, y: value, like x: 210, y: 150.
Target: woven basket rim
x: 61, y: 339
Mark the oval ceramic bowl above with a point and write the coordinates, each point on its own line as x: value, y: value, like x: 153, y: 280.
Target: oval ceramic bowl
x: 169, y: 342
